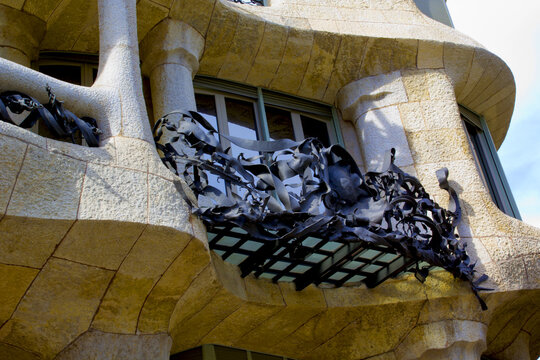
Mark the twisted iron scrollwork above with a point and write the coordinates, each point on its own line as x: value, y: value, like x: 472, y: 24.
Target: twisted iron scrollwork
x: 332, y: 198
x: 61, y: 122
x: 250, y: 2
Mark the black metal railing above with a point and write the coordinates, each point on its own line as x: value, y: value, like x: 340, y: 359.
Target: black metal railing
x: 335, y: 225
x: 60, y: 123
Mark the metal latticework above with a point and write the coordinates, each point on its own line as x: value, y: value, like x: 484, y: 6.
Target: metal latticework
x: 303, y: 212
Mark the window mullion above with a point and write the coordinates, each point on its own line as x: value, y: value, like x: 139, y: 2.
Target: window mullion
x: 297, y: 126
x: 261, y: 112
x: 336, y: 135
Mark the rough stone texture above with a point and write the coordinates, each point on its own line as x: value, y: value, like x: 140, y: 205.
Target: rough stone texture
x: 13, y: 153
x: 15, y: 281
x: 53, y: 194
x: 100, y: 345
x: 58, y: 307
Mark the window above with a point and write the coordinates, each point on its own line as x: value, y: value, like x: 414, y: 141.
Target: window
x: 217, y: 352
x: 79, y: 69
x: 256, y: 114
x: 488, y: 162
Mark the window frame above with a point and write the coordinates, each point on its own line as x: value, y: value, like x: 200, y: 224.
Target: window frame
x: 488, y: 162
x: 261, y: 98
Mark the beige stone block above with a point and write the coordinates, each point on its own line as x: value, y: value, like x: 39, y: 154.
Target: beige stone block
x: 201, y: 308
x: 513, y: 273
x: 391, y: 4
x: 171, y: 286
x: 532, y: 267
x: 441, y: 114
x: 22, y: 134
x: 379, y: 131
x: 243, y: 49
x: 88, y: 42
x: 57, y: 308
x: 48, y: 186
x: 404, y: 17
x: 268, y: 56
x: 12, y: 153
x: 15, y: 352
x: 66, y: 23
x: 466, y: 306
x: 352, y: 144
x: 111, y: 193
x: 440, y: 86
x: 386, y: 55
x: 295, y: 60
x: 320, y: 66
x: 105, y: 154
x: 29, y: 241
x: 412, y: 116
x: 16, y: 4
x: 367, y: 329
x: 457, y: 63
x: 526, y: 245
x: 96, y: 344
x: 133, y: 153
x: 485, y: 61
x: 167, y: 206
x: 104, y: 244
x: 416, y: 85
x: 195, y: 13
x: 499, y: 248
x: 218, y: 40
x: 462, y: 175
x: 15, y: 281
x: 361, y: 14
x: 40, y: 8
x: 150, y: 13
x: 434, y: 146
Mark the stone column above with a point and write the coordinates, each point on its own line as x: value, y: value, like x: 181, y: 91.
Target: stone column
x: 20, y: 35
x: 170, y: 57
x: 448, y: 339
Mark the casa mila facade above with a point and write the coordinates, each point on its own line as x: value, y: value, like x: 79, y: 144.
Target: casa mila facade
x: 108, y: 253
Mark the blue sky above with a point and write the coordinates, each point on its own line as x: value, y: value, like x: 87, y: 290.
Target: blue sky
x: 513, y: 33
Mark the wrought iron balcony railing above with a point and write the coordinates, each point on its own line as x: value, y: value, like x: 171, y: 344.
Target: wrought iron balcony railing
x: 336, y: 225
x: 61, y: 123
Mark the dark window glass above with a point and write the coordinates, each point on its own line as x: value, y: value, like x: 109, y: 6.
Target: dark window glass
x: 259, y: 356
x: 315, y: 128
x: 279, y: 123
x: 94, y: 74
x: 206, y: 105
x: 67, y: 73
x: 241, y: 116
x: 225, y: 353
x: 193, y: 354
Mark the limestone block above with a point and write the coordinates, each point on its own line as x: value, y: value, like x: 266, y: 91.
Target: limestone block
x: 513, y: 274
x: 465, y: 306
x: 150, y: 13
x: 15, y: 352
x: 439, y: 86
x: 41, y: 8
x: 149, y: 258
x: 12, y: 154
x: 361, y: 14
x: 105, y: 154
x: 379, y: 131
x: 391, y: 4
x: 404, y: 17
x: 374, y: 92
x: 194, y: 13
x: 200, y: 309
x: 57, y: 308
x: 104, y: 244
x: 67, y: 22
x: 366, y: 329
x: 23, y: 33
x: 433, y: 146
x: 218, y: 39
x: 430, y: 55
x: 100, y: 345
x: 268, y: 56
x: 30, y: 241
x: 450, y: 339
x: 171, y: 286
x: 133, y: 153
x: 14, y: 55
x: 412, y: 116
x: 320, y: 66
x: 500, y: 248
x: 416, y: 85
x: 87, y: 41
x: 457, y: 63
x: 441, y: 114
x: 350, y: 138
x: 462, y: 175
x: 16, y: 4
x: 111, y: 193
x: 518, y: 350
x: 295, y: 60
x: 243, y: 49
x: 486, y: 61
x: 51, y: 194
x: 15, y: 281
x: 167, y: 206
x: 386, y: 55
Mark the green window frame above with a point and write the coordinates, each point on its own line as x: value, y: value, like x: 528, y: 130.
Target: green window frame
x: 488, y: 162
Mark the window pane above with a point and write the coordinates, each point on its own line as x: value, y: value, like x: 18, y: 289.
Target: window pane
x: 224, y: 353
x: 193, y: 354
x: 68, y: 73
x: 241, y: 117
x: 279, y: 123
x: 206, y: 105
x: 259, y: 356
x: 315, y: 128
